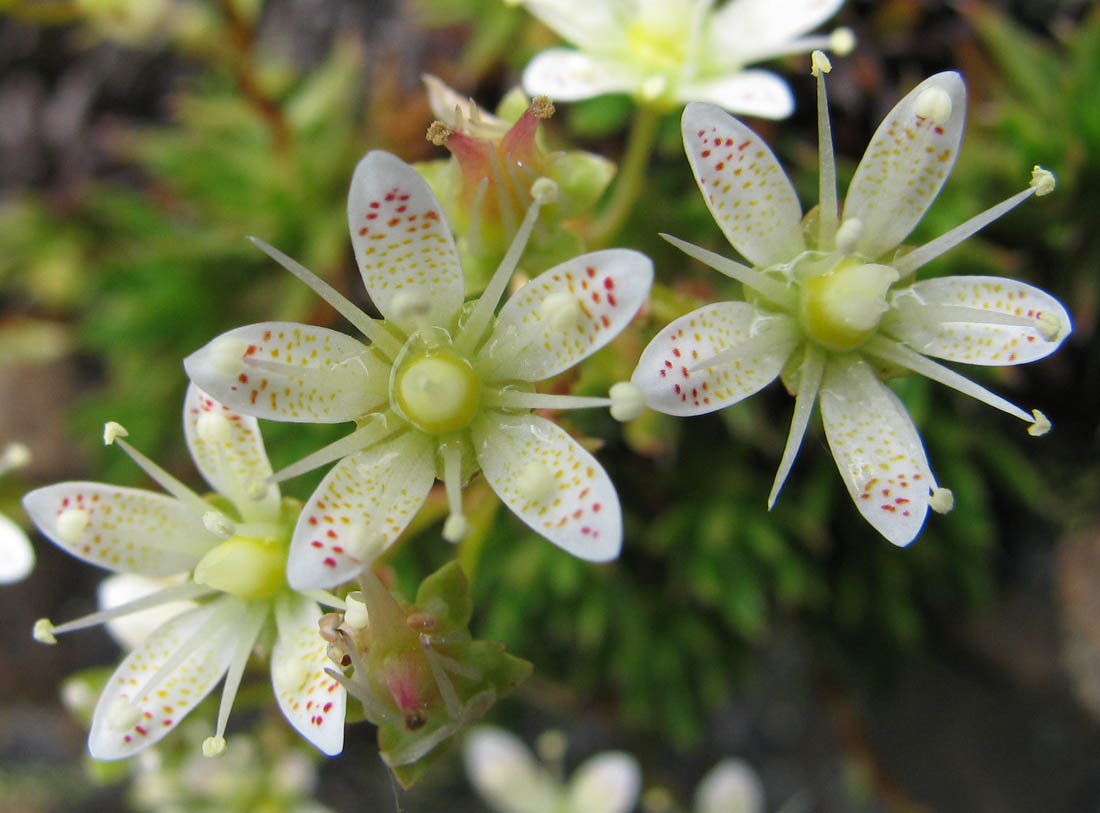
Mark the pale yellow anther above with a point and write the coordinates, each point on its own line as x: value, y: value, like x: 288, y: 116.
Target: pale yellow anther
x: 653, y: 88
x: 842, y: 41
x: 290, y: 674
x: 1050, y: 326
x: 545, y: 190
x: 934, y: 104
x: 213, y: 427
x: 43, y: 631
x: 356, y: 616
x: 819, y: 63
x: 560, y: 310
x: 113, y: 431
x: 847, y: 236
x: 15, y: 455
x: 627, y: 401
x: 71, y: 524
x: 219, y: 524
x: 535, y: 482
x: 1042, y: 181
x: 410, y: 305
x: 942, y: 501
x: 213, y: 746
x: 226, y: 353
x: 1041, y: 426
x: 122, y: 715
x: 455, y: 528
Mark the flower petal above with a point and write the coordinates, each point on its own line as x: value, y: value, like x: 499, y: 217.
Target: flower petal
x: 749, y: 195
x: 567, y: 313
x: 402, y: 242
x: 731, y: 786
x: 229, y: 451
x: 285, y: 371
x: 311, y: 700
x: 664, y: 371
x: 742, y: 29
x: 550, y: 482
x: 590, y: 25
x: 922, y: 316
x: 16, y: 553
x: 568, y: 76
x: 126, y: 530
x: 375, y: 492
x: 877, y: 449
x: 174, y: 697
x: 906, y: 163
x: 606, y: 783
x: 751, y: 92
x: 503, y: 771
x: 131, y: 629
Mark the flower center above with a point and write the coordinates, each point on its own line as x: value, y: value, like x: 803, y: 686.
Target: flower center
x: 246, y: 566
x: 842, y: 308
x: 657, y: 43
x: 437, y: 391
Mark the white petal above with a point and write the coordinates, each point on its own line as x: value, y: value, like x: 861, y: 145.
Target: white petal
x: 731, y: 786
x: 402, y: 242
x: 502, y: 770
x: 550, y: 482
x: 741, y: 29
x: 175, y: 697
x: 606, y: 783
x: 127, y: 530
x: 877, y: 449
x: 229, y: 451
x: 374, y: 493
x: 568, y: 76
x: 593, y: 26
x: 565, y: 314
x: 749, y: 195
x: 917, y: 318
x: 906, y: 164
x: 460, y: 112
x: 751, y: 92
x: 664, y: 371
x: 16, y: 553
x: 130, y: 630
x: 285, y: 371
x: 311, y: 700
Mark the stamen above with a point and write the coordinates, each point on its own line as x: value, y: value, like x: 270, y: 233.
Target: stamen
x: 934, y: 248
x: 114, y: 433
x: 378, y: 427
x: 535, y: 482
x: 1042, y: 181
x: 628, y: 401
x: 251, y: 624
x: 325, y: 597
x: 473, y: 234
x: 371, y: 328
x: 456, y: 526
x: 219, y: 524
x: 213, y: 747
x: 365, y: 545
x: 841, y: 41
x: 360, y: 689
x: 774, y: 290
x: 446, y: 688
x: 809, y: 382
x: 898, y: 353
x: 1041, y: 425
x: 847, y: 236
x: 504, y: 206
x: 517, y: 399
x: 177, y: 592
x: 356, y: 615
x: 466, y: 670
x: 827, y: 208
x: 543, y: 191
x: 942, y: 500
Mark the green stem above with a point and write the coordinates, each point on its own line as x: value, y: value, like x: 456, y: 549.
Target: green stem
x: 628, y: 184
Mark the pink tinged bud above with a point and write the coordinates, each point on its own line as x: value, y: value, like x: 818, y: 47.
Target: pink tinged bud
x: 405, y: 677
x: 519, y: 142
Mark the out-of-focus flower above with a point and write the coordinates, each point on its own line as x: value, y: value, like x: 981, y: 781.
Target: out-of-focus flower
x: 16, y: 553
x: 420, y: 676
x: 833, y: 308
x: 485, y: 186
x: 445, y: 387
x: 668, y: 52
x: 234, y: 545
x: 731, y: 786
x: 506, y: 774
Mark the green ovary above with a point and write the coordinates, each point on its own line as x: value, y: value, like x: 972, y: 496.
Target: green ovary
x: 841, y: 309
x: 437, y: 391
x: 246, y: 566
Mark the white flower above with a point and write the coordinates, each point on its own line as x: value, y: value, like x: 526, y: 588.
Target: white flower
x: 234, y: 546
x: 16, y: 553
x: 444, y: 388
x: 667, y: 52
x: 833, y: 308
x: 510, y: 780
x: 731, y: 786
